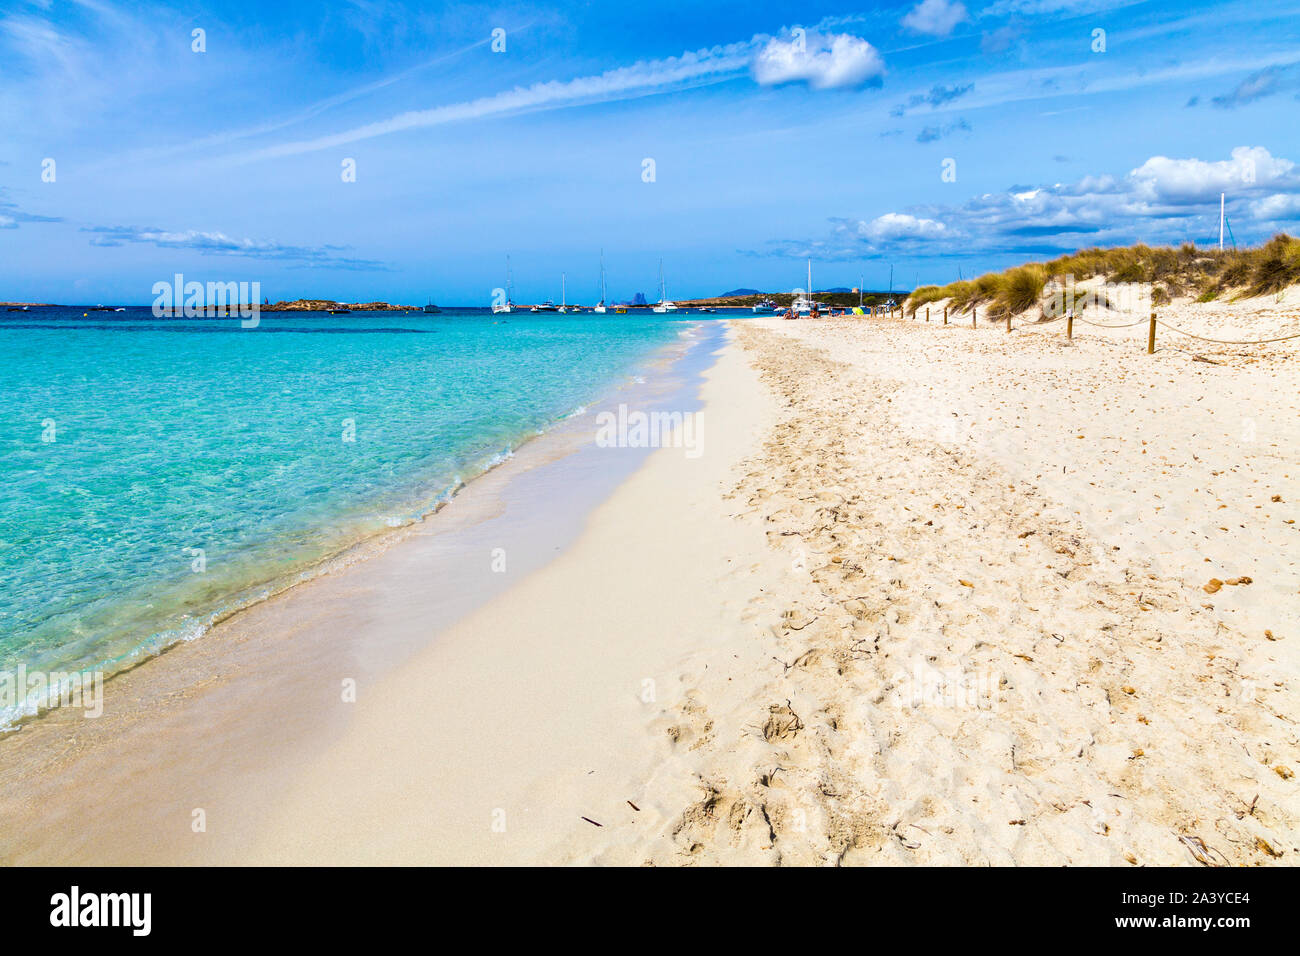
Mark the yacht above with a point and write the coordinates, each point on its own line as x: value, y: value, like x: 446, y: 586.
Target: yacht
x: 804, y: 304
x: 600, y: 306
x: 564, y: 306
x: 664, y: 305
x: 508, y: 306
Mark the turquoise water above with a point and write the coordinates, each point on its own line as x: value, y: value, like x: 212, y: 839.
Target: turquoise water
x: 131, y: 443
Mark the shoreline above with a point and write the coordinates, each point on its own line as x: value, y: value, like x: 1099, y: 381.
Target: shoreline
x: 513, y: 503
x: 362, y: 544
x: 541, y: 701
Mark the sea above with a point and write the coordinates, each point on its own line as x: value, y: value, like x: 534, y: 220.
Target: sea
x: 157, y: 474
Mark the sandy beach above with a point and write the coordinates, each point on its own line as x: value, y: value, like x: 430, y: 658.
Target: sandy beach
x: 928, y: 595
x: 997, y: 646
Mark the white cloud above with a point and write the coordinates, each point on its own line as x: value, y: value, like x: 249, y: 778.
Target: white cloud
x: 899, y: 225
x: 935, y: 17
x: 650, y: 76
x: 1179, y: 181
x: 220, y: 244
x: 1044, y: 7
x: 822, y: 62
x: 1278, y: 207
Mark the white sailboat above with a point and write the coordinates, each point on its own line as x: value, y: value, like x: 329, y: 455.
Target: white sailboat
x: 664, y: 305
x: 804, y: 304
x: 509, y: 305
x: 564, y: 307
x: 600, y: 306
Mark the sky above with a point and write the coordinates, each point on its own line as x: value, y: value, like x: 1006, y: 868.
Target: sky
x: 381, y: 150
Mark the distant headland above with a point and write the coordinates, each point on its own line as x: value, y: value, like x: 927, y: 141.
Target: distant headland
x: 329, y: 305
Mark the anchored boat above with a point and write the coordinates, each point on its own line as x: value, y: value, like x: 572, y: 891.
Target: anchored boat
x: 664, y: 305
x: 509, y: 305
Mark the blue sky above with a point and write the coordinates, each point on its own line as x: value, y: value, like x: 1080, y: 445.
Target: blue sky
x: 772, y: 140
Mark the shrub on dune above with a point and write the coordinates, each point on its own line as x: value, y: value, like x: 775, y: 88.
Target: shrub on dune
x: 1234, y: 269
x: 1020, y: 289
x: 1277, y: 265
x: 961, y: 294
x: 924, y: 295
x: 989, y: 286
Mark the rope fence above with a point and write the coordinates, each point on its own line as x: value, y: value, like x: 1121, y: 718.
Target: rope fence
x: 1103, y: 325
x: 1152, y: 322
x: 1193, y: 335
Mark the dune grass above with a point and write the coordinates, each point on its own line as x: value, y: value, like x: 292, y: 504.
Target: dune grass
x: 1206, y: 274
x: 923, y: 295
x: 1020, y: 290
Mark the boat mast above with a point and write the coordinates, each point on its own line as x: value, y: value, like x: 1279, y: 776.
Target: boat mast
x: 602, y: 276
x: 563, y: 301
x: 1221, y: 199
x: 663, y: 287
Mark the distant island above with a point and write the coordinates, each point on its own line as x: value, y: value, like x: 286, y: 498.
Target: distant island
x: 329, y: 305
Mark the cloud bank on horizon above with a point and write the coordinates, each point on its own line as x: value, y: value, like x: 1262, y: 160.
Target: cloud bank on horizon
x: 918, y: 132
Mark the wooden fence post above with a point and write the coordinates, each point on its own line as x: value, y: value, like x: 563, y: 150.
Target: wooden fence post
x: 973, y: 313
x: 927, y: 313
x: 1151, y: 335
x: 1069, y: 324
x: 945, y: 315
x: 1008, y: 321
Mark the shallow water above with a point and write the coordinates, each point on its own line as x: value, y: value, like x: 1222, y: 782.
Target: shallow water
x: 156, y: 473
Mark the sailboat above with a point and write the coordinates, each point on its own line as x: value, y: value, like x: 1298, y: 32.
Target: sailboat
x: 509, y: 305
x: 804, y: 304
x: 600, y: 306
x: 563, y: 295
x: 664, y: 305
